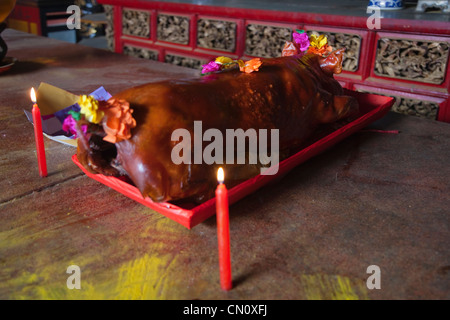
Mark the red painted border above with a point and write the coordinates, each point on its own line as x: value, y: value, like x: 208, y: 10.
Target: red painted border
x: 117, y: 21
x: 444, y: 111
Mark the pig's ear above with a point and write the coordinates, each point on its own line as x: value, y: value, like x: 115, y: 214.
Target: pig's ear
x: 333, y: 62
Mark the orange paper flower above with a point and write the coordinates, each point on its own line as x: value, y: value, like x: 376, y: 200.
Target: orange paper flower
x: 324, y: 50
x: 251, y: 65
x: 289, y: 49
x: 118, y: 121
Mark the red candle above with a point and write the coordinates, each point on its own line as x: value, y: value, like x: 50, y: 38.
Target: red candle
x: 38, y: 136
x: 223, y: 232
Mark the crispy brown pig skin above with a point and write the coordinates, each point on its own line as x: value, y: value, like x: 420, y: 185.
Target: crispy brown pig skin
x: 293, y: 94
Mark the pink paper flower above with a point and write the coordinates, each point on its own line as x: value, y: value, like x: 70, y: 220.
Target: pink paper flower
x: 302, y: 40
x: 70, y: 125
x: 210, y: 67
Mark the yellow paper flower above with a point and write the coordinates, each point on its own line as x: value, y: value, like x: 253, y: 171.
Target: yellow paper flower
x: 223, y: 60
x: 90, y: 109
x: 318, y: 41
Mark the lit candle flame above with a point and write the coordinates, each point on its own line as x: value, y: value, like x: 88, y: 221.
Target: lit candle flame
x: 33, y: 95
x: 220, y: 175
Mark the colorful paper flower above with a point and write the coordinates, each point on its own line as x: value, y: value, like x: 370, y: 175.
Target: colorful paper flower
x: 322, y: 51
x: 302, y: 44
x: 318, y: 41
x: 289, y: 49
x: 210, y: 67
x: 90, y: 109
x: 221, y: 63
x: 301, y: 39
x: 251, y: 65
x: 223, y: 60
x: 75, y: 114
x: 119, y: 121
x: 227, y: 63
x: 70, y: 125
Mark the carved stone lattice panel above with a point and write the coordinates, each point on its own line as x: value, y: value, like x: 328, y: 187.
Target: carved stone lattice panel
x: 352, y: 43
x: 423, y: 61
x: 140, y: 52
x: 266, y: 41
x: 173, y: 28
x: 419, y: 108
x: 412, y: 107
x: 216, y: 34
x: 136, y: 23
x: 184, y: 61
x: 109, y: 29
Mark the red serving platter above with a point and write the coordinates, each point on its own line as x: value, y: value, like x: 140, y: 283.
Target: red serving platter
x: 372, y: 107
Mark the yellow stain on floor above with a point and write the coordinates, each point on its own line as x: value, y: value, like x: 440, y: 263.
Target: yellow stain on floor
x: 87, y: 292
x: 50, y: 283
x: 145, y: 278
x: 333, y: 287
x: 151, y: 275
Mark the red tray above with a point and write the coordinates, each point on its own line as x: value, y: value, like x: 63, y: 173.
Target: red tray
x: 372, y: 107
